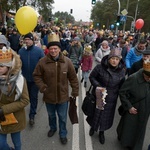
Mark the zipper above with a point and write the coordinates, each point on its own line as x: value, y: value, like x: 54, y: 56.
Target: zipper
x: 56, y: 81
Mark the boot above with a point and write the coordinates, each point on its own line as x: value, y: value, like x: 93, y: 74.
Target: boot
x: 85, y: 84
x: 101, y: 137
x: 81, y: 80
x: 91, y: 132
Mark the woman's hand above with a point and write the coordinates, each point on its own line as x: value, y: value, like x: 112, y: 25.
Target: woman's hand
x: 133, y: 110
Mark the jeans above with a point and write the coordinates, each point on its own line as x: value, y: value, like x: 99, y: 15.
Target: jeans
x: 61, y: 110
x: 85, y: 75
x: 33, y: 95
x: 15, y: 139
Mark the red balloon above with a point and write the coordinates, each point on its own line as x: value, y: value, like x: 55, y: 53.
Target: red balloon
x: 139, y: 24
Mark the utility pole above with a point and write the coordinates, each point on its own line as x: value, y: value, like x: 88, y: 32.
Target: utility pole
x: 124, y: 26
x: 118, y: 14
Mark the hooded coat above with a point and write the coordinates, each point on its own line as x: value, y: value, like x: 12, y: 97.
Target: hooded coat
x: 135, y: 92
x: 12, y: 103
x: 111, y: 79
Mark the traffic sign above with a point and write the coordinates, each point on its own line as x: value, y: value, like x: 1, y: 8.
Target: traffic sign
x: 124, y: 12
x: 123, y: 18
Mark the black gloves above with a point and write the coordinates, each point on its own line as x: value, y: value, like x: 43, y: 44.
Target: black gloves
x: 2, y: 117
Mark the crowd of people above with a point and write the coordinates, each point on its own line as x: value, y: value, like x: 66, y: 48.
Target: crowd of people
x: 48, y: 58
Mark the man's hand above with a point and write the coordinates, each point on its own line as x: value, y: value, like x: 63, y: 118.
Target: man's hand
x: 133, y: 111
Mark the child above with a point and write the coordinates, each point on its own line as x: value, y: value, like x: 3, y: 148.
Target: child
x: 86, y: 63
x: 13, y: 96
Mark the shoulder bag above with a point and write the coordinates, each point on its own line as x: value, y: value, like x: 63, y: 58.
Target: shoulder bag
x: 89, y: 103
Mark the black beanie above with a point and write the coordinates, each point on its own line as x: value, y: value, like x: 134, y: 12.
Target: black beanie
x: 29, y: 35
x: 54, y: 43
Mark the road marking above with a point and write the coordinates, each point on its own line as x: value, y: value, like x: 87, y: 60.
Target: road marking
x: 88, y: 140
x: 75, y: 135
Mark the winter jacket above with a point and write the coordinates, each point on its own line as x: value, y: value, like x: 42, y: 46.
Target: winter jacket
x: 52, y: 79
x: 131, y: 128
x: 110, y: 78
x: 132, y: 57
x: 75, y: 54
x: 10, y: 105
x: 101, y: 53
x: 30, y: 58
x: 86, y: 62
x: 136, y: 66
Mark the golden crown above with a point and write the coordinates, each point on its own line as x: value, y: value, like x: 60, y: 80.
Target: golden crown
x: 53, y: 37
x: 5, y: 55
x: 146, y: 65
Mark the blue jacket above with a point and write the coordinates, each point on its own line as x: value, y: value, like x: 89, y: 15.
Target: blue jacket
x: 30, y: 58
x: 132, y: 57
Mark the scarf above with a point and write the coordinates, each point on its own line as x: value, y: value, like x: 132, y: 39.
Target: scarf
x: 137, y: 51
x: 14, y: 82
x: 105, y: 50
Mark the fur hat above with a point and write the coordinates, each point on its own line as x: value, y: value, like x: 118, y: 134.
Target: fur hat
x: 115, y: 53
x: 29, y: 35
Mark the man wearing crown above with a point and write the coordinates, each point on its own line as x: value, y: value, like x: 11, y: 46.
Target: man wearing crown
x: 52, y: 74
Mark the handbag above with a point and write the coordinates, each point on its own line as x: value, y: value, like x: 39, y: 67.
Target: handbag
x: 73, y: 111
x: 10, y: 119
x: 89, y: 104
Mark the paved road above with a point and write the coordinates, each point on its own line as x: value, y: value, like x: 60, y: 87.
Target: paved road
x: 35, y: 138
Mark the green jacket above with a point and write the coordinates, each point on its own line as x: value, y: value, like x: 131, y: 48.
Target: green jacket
x: 134, y: 92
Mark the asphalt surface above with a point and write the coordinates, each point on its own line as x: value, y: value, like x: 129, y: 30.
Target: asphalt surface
x: 35, y: 138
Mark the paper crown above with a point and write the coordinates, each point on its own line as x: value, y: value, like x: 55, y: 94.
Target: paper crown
x: 88, y: 48
x: 146, y: 65
x: 5, y: 55
x: 53, y: 37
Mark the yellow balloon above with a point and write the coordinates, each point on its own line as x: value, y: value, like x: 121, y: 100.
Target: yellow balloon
x: 26, y: 19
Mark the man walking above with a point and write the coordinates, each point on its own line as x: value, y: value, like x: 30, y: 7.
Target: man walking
x: 52, y: 74
x: 30, y: 55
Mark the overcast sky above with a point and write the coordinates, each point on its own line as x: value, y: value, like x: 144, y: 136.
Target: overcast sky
x: 81, y: 8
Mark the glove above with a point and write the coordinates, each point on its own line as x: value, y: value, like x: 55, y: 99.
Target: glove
x: 2, y: 117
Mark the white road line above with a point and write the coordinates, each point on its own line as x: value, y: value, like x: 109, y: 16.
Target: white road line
x: 75, y: 132
x: 88, y: 140
x: 75, y: 135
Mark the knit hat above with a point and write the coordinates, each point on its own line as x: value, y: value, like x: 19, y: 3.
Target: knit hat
x: 4, y: 41
x: 76, y: 39
x: 146, y: 52
x: 105, y: 42
x: 6, y: 56
x: 115, y: 53
x: 29, y: 35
